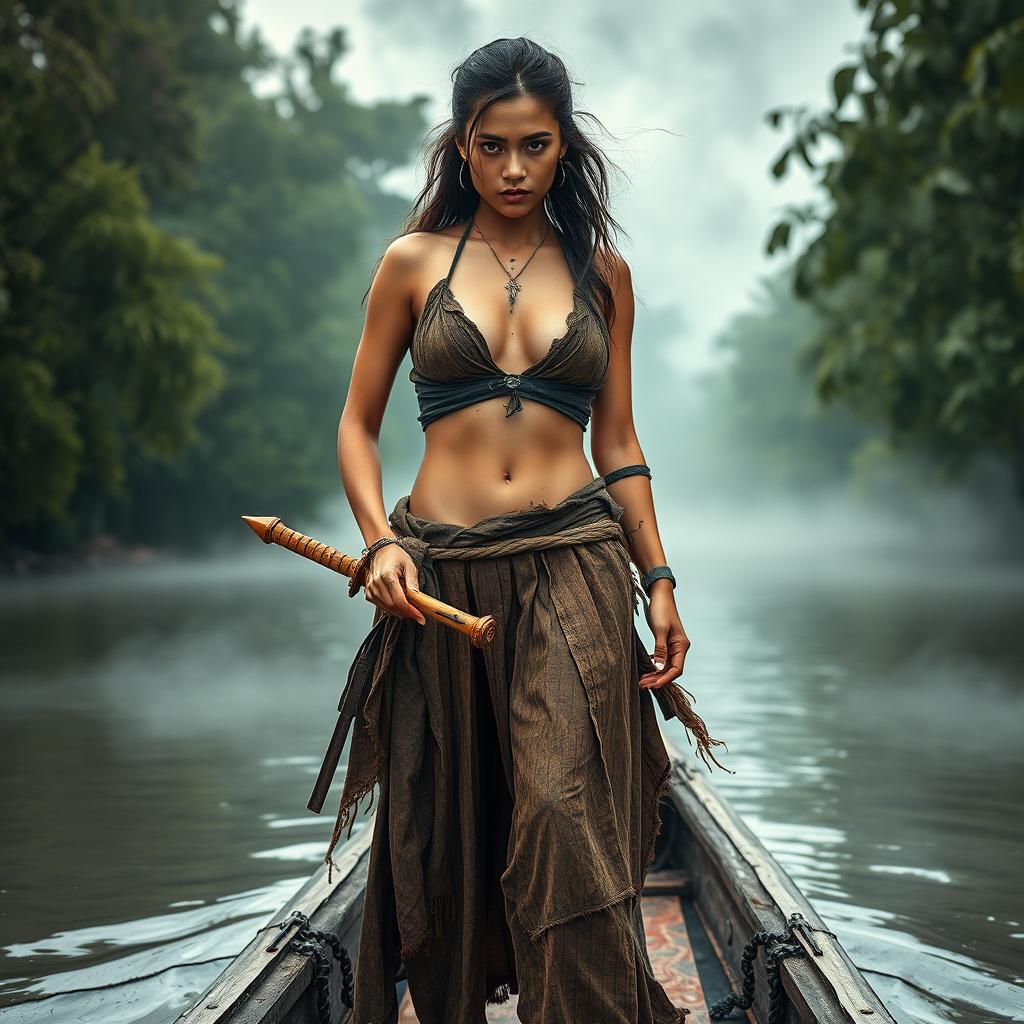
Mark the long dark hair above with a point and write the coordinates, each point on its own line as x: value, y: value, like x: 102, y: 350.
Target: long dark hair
x: 577, y: 207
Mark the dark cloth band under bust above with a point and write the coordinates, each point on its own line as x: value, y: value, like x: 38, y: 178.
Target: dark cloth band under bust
x: 437, y: 398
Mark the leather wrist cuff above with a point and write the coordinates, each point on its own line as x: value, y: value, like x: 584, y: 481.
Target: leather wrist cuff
x: 657, y: 573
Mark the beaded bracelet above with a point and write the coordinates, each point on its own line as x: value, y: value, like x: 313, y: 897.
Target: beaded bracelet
x: 657, y: 573
x: 356, y: 580
x: 617, y: 474
x: 379, y: 543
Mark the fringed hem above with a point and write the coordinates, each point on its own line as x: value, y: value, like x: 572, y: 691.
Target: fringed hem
x: 366, y: 786
x: 677, y: 695
x: 639, y: 594
x: 679, y: 698
x: 439, y: 912
x: 664, y: 783
x: 679, y: 1014
x: 501, y: 992
x: 348, y: 809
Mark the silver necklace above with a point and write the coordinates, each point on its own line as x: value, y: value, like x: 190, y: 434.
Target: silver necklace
x: 513, y: 287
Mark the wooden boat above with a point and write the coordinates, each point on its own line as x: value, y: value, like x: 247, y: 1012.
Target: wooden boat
x: 721, y: 916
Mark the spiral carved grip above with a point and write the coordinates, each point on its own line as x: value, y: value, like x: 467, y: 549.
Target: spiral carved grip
x: 479, y: 628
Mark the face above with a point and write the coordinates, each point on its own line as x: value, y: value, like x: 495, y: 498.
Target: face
x: 516, y: 144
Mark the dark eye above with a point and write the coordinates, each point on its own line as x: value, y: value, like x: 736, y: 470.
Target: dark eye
x: 483, y: 144
x: 539, y: 142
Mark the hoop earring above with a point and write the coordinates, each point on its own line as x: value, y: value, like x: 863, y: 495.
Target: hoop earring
x: 562, y: 165
x: 461, y: 167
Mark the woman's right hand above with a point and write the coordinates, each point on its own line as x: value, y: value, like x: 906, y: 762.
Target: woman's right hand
x: 390, y: 574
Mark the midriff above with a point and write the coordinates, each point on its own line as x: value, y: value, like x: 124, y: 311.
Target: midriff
x: 479, y: 463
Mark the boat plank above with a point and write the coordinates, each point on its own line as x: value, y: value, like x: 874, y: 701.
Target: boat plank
x: 733, y: 904
x: 738, y: 869
x: 286, y: 973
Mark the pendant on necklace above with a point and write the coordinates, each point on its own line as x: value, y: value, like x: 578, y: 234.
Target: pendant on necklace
x: 513, y: 291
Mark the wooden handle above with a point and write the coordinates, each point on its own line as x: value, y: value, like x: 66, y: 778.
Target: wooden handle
x: 479, y: 628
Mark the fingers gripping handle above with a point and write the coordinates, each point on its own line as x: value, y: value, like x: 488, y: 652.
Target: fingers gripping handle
x: 271, y: 530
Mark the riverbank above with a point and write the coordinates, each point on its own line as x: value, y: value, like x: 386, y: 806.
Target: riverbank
x: 101, y: 551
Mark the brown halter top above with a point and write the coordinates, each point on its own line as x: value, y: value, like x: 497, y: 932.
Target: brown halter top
x: 452, y: 365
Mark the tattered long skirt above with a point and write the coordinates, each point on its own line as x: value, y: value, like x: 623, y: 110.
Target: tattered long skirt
x: 519, y: 782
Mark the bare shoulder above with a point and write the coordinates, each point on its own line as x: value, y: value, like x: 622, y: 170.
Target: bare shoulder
x: 617, y: 273
x: 415, y: 248
x: 404, y: 254
x: 418, y: 258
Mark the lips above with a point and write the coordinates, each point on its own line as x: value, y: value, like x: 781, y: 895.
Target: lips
x: 515, y: 192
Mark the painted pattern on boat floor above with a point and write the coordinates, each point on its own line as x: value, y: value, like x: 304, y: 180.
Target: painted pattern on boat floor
x: 668, y: 944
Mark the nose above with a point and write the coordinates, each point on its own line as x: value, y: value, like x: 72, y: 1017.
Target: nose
x: 514, y: 168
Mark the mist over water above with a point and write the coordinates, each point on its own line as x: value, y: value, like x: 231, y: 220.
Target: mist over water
x: 164, y: 725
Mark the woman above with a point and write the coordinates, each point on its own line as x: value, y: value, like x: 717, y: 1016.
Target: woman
x: 519, y: 782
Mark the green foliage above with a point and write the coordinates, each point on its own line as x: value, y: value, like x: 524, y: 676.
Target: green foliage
x: 181, y: 267
x: 915, y: 258
x: 287, y: 200
x: 103, y: 339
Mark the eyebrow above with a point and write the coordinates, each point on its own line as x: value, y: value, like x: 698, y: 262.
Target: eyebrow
x: 526, y: 138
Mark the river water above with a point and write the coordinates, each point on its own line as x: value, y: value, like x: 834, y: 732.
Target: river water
x: 162, y: 725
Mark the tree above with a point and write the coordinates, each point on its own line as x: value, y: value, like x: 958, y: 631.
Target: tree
x: 103, y: 340
x: 915, y: 257
x: 286, y: 193
x: 770, y: 430
x: 181, y: 263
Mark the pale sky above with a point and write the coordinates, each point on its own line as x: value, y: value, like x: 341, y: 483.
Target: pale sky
x: 684, y: 87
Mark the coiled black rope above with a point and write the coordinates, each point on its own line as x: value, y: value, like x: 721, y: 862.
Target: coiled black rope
x: 777, y: 946
x: 312, y: 942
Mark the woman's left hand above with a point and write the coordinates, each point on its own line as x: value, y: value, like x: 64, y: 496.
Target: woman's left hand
x: 670, y: 640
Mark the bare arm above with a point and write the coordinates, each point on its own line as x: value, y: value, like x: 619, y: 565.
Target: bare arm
x: 613, y: 444
x: 382, y: 346
x: 381, y: 349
